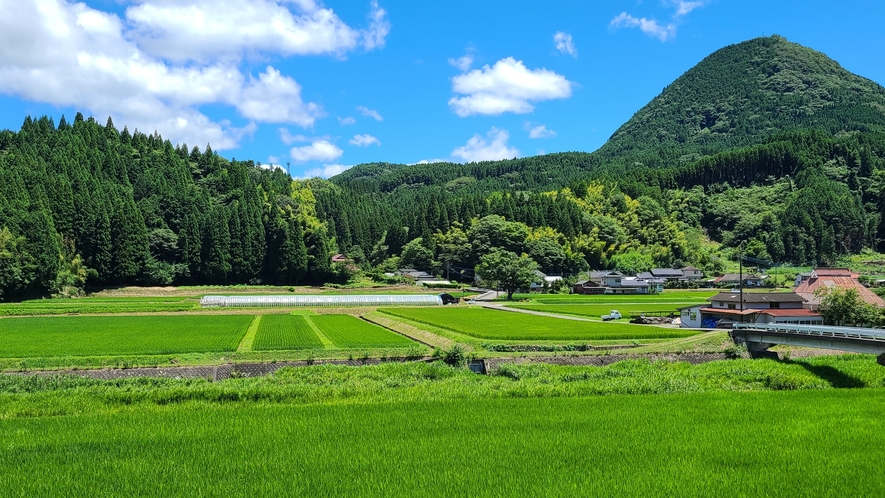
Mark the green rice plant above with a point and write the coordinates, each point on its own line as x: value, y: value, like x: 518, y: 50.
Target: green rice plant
x: 278, y: 332
x: 281, y: 436
x: 668, y: 296
x: 347, y: 331
x: 512, y: 326
x: 120, y: 335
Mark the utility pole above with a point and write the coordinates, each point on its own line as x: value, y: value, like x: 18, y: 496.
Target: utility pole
x: 741, y: 277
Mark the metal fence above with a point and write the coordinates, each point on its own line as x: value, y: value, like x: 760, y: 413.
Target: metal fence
x: 817, y: 330
x: 320, y: 301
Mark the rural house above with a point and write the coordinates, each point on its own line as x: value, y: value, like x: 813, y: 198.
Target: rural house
x: 759, y: 307
x: 835, y: 278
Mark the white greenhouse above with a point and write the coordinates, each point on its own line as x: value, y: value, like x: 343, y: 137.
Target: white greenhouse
x: 320, y: 300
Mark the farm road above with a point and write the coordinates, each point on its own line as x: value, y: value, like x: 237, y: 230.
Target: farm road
x: 501, y: 307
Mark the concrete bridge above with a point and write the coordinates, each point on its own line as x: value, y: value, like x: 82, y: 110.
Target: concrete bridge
x: 760, y: 337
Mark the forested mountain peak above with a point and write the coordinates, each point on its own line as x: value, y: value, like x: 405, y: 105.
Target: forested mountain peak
x: 743, y: 93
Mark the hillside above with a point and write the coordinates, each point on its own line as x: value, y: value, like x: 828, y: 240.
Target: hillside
x: 740, y: 94
x: 85, y: 204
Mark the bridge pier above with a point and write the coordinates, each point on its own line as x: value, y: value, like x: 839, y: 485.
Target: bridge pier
x: 881, y: 359
x: 759, y: 350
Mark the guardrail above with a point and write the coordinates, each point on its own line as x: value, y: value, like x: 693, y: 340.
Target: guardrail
x: 816, y: 330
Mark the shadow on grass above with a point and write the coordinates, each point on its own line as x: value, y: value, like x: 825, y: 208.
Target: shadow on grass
x: 836, y: 378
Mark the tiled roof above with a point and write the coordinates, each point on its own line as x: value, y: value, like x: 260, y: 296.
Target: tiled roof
x: 808, y: 288
x: 759, y: 297
x: 834, y: 272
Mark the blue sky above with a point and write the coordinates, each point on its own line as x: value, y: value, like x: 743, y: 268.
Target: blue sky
x: 326, y: 85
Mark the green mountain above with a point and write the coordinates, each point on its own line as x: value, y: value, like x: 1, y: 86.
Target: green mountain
x: 743, y: 93
x: 765, y: 144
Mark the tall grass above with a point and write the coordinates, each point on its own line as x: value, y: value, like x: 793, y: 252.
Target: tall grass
x: 431, y: 430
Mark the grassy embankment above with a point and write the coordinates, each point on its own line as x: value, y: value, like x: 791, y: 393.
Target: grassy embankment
x: 406, y: 429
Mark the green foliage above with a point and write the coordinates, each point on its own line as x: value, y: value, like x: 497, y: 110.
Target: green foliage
x: 846, y: 307
x: 506, y: 270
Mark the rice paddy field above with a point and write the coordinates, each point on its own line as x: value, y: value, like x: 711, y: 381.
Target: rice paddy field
x: 597, y: 310
x: 94, y: 305
x: 347, y: 332
x: 731, y: 428
x: 511, y: 326
x: 119, y: 335
x: 277, y: 332
x: 668, y: 296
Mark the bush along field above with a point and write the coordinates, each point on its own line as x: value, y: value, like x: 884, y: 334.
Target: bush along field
x: 510, y: 326
x: 406, y: 429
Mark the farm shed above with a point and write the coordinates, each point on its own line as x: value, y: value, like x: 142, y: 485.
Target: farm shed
x: 320, y: 301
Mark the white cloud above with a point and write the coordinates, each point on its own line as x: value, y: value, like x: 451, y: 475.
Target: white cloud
x: 349, y: 120
x: 491, y: 148
x: 539, y: 131
x: 326, y: 171
x: 430, y: 161
x: 364, y: 140
x: 652, y: 27
x: 199, y: 30
x: 565, y: 44
x: 273, y: 159
x: 320, y: 150
x: 275, y: 98
x: 647, y: 26
x: 463, y: 63
x: 371, y: 113
x: 508, y: 86
x: 69, y: 54
x: 685, y: 7
x: 379, y: 27
x: 288, y: 138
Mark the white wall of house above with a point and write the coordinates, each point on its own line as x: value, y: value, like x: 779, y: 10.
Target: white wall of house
x: 690, y: 317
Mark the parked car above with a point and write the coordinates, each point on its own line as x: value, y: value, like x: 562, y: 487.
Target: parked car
x: 612, y: 315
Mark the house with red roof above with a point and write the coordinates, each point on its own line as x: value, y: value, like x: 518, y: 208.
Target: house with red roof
x: 834, y: 278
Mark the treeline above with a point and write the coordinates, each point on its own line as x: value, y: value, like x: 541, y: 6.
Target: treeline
x: 86, y: 204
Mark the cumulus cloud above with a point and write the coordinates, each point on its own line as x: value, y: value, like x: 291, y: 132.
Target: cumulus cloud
x: 199, y: 30
x: 463, y: 63
x: 326, y: 171
x: 650, y: 27
x: 150, y: 75
x: 364, y: 140
x: 491, y: 148
x: 430, y: 161
x: 274, y: 98
x: 371, y: 113
x: 508, y: 86
x: 539, y: 131
x: 565, y: 44
x: 349, y: 120
x: 320, y: 150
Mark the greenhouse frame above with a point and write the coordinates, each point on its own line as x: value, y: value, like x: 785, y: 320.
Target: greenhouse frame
x: 320, y: 301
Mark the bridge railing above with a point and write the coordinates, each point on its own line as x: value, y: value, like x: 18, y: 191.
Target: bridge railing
x: 816, y: 330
